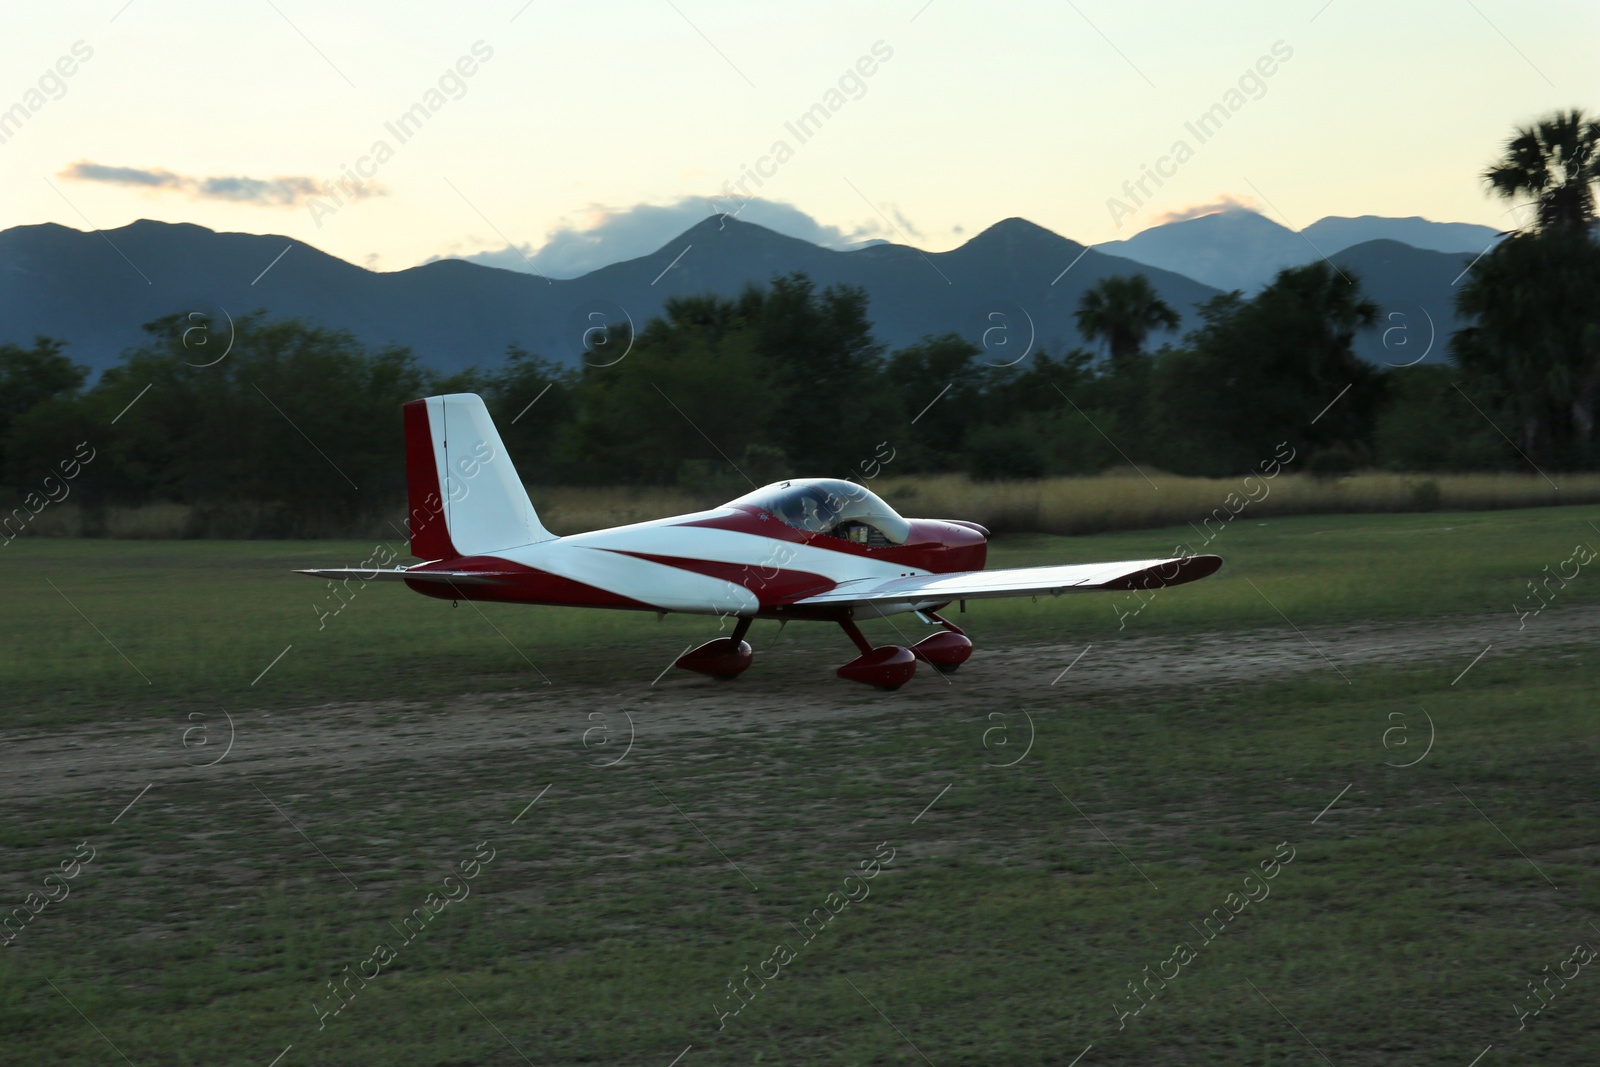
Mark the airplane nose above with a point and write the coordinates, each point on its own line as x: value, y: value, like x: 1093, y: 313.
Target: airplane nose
x: 963, y: 546
x: 982, y: 531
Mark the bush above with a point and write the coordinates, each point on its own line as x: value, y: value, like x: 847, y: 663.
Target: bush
x: 1425, y: 496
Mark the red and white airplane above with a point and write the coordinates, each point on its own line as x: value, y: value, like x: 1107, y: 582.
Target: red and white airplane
x: 807, y: 548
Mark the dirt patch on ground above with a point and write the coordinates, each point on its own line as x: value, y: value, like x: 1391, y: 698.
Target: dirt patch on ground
x: 788, y: 687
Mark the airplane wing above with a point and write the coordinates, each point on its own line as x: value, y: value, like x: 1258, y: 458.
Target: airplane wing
x: 370, y: 574
x: 1020, y: 581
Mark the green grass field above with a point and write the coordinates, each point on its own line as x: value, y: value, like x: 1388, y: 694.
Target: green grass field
x: 1007, y: 928
x: 90, y: 622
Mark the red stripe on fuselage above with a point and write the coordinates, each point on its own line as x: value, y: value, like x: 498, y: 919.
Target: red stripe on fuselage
x: 935, y: 546
x: 519, y: 584
x: 770, y: 582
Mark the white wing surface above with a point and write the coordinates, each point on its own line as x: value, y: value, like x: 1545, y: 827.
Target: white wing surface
x: 1020, y: 581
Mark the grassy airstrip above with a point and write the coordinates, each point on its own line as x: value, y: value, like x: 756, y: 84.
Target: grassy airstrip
x: 202, y: 620
x: 1006, y: 929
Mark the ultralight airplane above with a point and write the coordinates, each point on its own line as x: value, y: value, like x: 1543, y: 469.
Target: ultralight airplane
x: 807, y: 548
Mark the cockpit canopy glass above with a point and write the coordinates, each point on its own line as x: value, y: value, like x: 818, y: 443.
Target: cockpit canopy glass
x: 831, y: 506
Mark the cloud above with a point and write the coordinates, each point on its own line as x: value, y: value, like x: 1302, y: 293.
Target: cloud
x: 272, y: 192
x: 97, y: 172
x: 1226, y: 202
x: 607, y: 235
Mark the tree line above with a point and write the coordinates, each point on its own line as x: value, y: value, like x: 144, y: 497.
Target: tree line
x: 297, y: 423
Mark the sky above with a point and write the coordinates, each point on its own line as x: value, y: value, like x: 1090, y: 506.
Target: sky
x: 562, y: 135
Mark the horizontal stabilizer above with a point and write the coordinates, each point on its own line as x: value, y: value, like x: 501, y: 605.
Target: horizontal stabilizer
x: 400, y: 575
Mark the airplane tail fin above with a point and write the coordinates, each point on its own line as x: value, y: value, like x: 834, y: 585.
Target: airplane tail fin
x: 465, y: 496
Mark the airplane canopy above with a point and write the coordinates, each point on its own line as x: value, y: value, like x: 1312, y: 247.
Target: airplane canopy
x: 828, y: 505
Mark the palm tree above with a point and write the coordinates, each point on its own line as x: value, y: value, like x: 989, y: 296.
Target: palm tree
x: 1330, y: 298
x: 1309, y: 317
x: 1533, y: 303
x: 1123, y: 310
x: 1535, y: 316
x: 1556, y: 163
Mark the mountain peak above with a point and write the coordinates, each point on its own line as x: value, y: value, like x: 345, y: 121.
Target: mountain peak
x: 723, y: 225
x: 719, y: 221
x: 1017, y: 236
x: 154, y: 226
x: 1233, y: 218
x: 1017, y: 227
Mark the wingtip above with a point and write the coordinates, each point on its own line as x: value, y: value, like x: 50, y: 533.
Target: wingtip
x: 1179, y: 571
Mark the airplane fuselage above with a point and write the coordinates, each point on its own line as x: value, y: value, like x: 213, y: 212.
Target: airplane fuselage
x: 737, y: 560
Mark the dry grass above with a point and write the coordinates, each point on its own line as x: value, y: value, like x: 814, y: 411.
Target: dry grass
x: 1122, y: 499
x: 1126, y: 500
x: 152, y: 520
x: 571, y: 509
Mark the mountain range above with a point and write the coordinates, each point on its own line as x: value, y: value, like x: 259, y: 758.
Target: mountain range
x: 1011, y: 288
x: 1241, y: 249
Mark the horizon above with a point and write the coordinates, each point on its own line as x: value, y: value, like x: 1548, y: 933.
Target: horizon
x: 871, y: 242
x: 413, y: 134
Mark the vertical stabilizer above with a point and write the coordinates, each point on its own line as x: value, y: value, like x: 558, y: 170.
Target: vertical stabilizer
x: 465, y: 496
